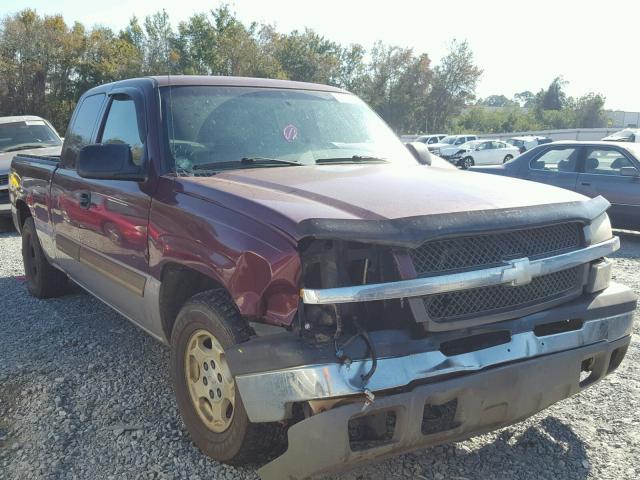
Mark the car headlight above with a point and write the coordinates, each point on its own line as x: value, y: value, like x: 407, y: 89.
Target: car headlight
x: 599, y: 230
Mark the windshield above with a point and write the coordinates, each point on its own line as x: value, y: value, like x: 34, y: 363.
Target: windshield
x: 449, y: 139
x: 470, y: 145
x: 211, y: 128
x: 28, y: 134
x: 627, y: 133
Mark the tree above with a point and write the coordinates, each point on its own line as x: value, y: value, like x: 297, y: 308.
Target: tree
x: 454, y: 84
x: 496, y: 101
x: 554, y: 97
x: 589, y: 111
x: 525, y: 99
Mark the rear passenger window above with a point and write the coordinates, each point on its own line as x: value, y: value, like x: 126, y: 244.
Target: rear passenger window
x: 556, y: 160
x: 121, y: 126
x: 81, y: 129
x: 605, y: 161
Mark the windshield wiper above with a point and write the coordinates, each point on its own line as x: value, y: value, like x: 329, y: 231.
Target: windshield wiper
x: 24, y: 147
x: 245, y: 162
x: 352, y: 159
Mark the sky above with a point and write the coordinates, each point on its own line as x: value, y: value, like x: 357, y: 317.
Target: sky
x: 519, y: 45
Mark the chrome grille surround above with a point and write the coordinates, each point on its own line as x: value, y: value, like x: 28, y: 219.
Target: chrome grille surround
x: 499, y: 298
x: 486, y: 250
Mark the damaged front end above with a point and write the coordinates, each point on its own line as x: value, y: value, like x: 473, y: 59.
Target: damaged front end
x: 401, y: 344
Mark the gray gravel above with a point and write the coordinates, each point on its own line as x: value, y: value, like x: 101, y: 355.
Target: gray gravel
x: 85, y: 394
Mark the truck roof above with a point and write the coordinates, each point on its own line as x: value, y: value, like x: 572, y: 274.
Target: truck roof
x: 196, y: 80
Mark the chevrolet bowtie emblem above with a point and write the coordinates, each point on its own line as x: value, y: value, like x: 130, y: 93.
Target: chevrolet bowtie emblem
x: 518, y: 272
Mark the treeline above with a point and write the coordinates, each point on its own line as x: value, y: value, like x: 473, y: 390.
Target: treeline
x: 549, y: 109
x: 46, y: 64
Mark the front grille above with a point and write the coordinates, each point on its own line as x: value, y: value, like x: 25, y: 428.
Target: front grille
x: 496, y: 299
x: 487, y: 250
x: 4, y: 180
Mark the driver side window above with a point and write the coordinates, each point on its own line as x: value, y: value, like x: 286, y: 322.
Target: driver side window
x: 121, y: 126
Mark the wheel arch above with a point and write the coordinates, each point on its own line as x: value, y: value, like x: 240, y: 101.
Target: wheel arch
x: 23, y: 212
x: 178, y: 283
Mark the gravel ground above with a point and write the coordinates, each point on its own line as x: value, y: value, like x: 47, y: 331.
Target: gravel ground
x: 85, y: 394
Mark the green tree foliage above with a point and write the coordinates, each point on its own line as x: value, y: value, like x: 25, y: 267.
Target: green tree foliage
x: 454, y: 85
x: 497, y: 101
x: 45, y: 65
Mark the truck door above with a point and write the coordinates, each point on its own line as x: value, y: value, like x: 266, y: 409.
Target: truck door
x: 68, y: 201
x: 556, y: 166
x: 114, y: 249
x: 601, y: 175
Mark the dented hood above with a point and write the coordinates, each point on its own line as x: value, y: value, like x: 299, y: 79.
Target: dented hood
x: 304, y: 200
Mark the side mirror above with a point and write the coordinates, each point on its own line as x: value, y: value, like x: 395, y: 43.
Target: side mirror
x: 420, y: 151
x: 629, y: 172
x: 109, y: 161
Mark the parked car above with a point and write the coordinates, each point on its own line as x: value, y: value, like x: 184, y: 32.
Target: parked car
x: 312, y: 279
x: 528, y: 142
x: 483, y: 152
x: 430, y: 139
x: 26, y: 134
x: 589, y: 168
x: 627, y: 135
x: 450, y: 144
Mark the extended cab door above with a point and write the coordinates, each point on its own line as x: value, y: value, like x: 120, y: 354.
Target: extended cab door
x: 601, y: 175
x: 555, y: 165
x: 68, y: 197
x: 114, y: 249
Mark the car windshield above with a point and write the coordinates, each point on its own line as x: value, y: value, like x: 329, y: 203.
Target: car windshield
x: 211, y: 128
x: 627, y: 133
x: 471, y: 144
x: 449, y: 139
x: 28, y: 134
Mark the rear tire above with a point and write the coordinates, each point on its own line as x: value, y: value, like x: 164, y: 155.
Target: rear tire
x: 43, y: 279
x: 208, y: 324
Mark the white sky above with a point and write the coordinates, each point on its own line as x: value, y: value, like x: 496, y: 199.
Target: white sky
x: 519, y: 45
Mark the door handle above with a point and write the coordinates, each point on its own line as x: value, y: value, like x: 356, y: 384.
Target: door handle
x: 585, y: 184
x: 84, y: 198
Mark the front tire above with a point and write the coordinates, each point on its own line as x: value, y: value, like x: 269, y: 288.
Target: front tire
x: 467, y: 162
x: 507, y: 158
x: 43, y: 279
x: 209, y: 403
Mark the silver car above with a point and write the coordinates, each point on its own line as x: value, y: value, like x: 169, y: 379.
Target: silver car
x: 591, y: 168
x: 24, y: 134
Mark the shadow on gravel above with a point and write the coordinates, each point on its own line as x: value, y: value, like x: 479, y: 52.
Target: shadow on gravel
x: 6, y: 226
x: 629, y: 244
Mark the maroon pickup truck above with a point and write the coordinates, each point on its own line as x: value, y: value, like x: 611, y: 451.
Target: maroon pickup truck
x: 328, y: 299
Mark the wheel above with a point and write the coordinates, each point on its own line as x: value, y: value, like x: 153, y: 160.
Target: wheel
x: 467, y: 162
x: 507, y: 158
x: 111, y: 231
x: 43, y: 279
x: 208, y: 400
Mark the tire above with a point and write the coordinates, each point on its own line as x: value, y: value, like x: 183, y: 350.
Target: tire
x: 507, y: 158
x: 43, y: 279
x: 467, y: 162
x: 240, y: 442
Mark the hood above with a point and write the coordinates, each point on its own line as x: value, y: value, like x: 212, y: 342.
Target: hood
x: 287, y: 197
x: 6, y: 157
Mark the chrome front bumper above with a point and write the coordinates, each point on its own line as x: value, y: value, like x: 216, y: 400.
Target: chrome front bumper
x: 516, y: 272
x: 268, y: 395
